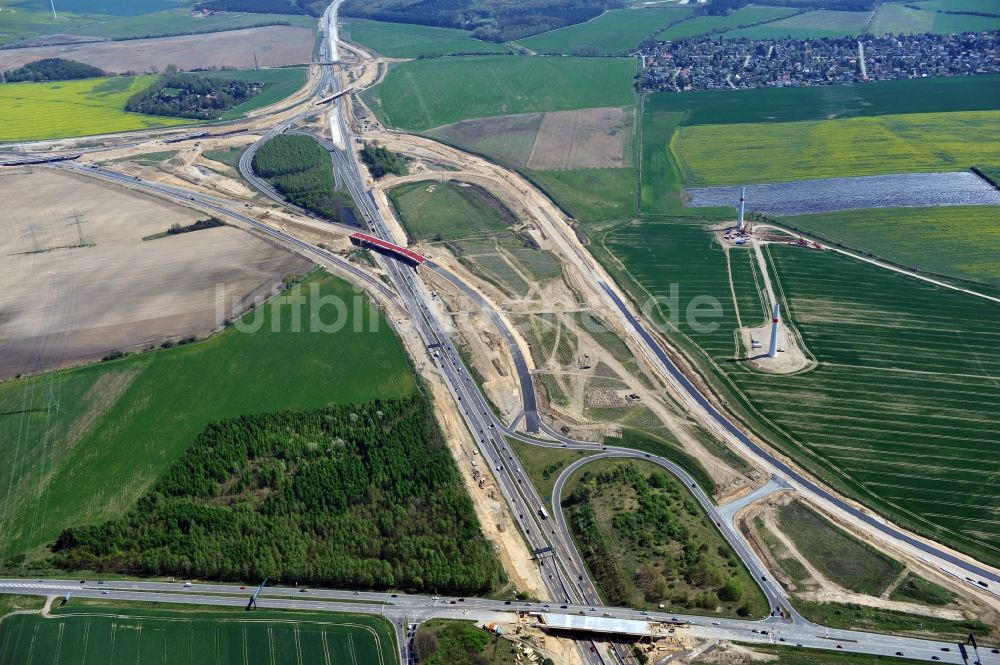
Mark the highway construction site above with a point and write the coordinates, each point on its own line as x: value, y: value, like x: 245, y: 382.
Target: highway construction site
x: 528, y: 366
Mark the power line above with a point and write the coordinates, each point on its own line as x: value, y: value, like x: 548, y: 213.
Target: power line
x: 78, y: 223
x: 33, y: 231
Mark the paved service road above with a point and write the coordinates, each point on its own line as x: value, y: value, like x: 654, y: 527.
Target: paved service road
x: 793, y: 475
x: 773, y: 591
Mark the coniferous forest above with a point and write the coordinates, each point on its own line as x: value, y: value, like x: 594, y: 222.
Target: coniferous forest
x: 364, y: 496
x: 300, y: 168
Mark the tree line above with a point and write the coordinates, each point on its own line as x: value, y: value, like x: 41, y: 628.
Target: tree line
x: 491, y: 20
x: 300, y: 168
x: 187, y: 96
x: 52, y: 69
x: 297, y: 7
x: 362, y: 496
x: 210, y: 223
x: 724, y: 7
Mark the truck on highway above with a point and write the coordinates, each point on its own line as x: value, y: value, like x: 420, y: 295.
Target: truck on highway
x: 543, y: 513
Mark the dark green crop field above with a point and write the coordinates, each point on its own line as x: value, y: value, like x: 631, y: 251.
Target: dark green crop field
x: 703, y: 25
x: 903, y: 404
x: 931, y: 95
x: 407, y: 40
x: 954, y: 241
x: 120, y: 424
x: 80, y: 635
x: 616, y: 32
x: 590, y: 194
x: 808, y: 25
x: 422, y: 94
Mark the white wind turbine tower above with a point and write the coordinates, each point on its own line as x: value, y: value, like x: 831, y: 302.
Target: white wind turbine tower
x: 54, y: 15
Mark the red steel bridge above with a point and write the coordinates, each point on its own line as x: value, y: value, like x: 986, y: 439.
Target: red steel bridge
x: 403, y: 254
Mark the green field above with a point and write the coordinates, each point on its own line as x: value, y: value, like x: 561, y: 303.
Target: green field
x: 882, y: 336
x: 983, y: 6
x: 408, y: 40
x: 105, y: 7
x: 120, y: 424
x: 228, y: 156
x: 647, y: 542
x: 745, y: 16
x: 992, y: 173
x: 916, y: 589
x: 590, y: 194
x: 841, y: 557
x: 808, y: 25
x: 902, y: 405
x: 956, y: 241
x: 544, y: 464
x: 913, y: 18
x: 180, y: 22
x: 507, y: 261
x: 25, y: 22
x: 616, y: 32
x: 24, y: 19
x: 431, y: 210
x: 827, y: 102
x: 920, y: 142
x: 422, y: 94
x: 280, y: 82
x: 10, y: 602
x: 80, y: 634
x: 874, y: 620
x: 31, y: 111
x: 454, y: 642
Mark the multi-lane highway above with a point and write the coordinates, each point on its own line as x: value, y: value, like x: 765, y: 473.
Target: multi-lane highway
x: 562, y: 570
x: 401, y: 609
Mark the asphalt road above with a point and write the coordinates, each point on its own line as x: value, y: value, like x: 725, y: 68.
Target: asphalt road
x: 401, y: 609
x: 568, y: 579
x: 564, y: 580
x: 563, y: 572
x: 984, y: 575
x: 773, y: 591
x: 531, y: 419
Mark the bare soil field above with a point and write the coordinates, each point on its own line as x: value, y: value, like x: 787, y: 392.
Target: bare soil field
x: 509, y: 138
x: 68, y: 304
x: 584, y: 139
x: 558, y: 141
x: 274, y: 46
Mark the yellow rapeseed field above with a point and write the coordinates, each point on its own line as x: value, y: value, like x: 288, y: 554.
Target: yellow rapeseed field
x: 59, y: 109
x: 774, y: 152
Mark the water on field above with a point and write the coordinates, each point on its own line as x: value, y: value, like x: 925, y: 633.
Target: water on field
x: 907, y: 190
